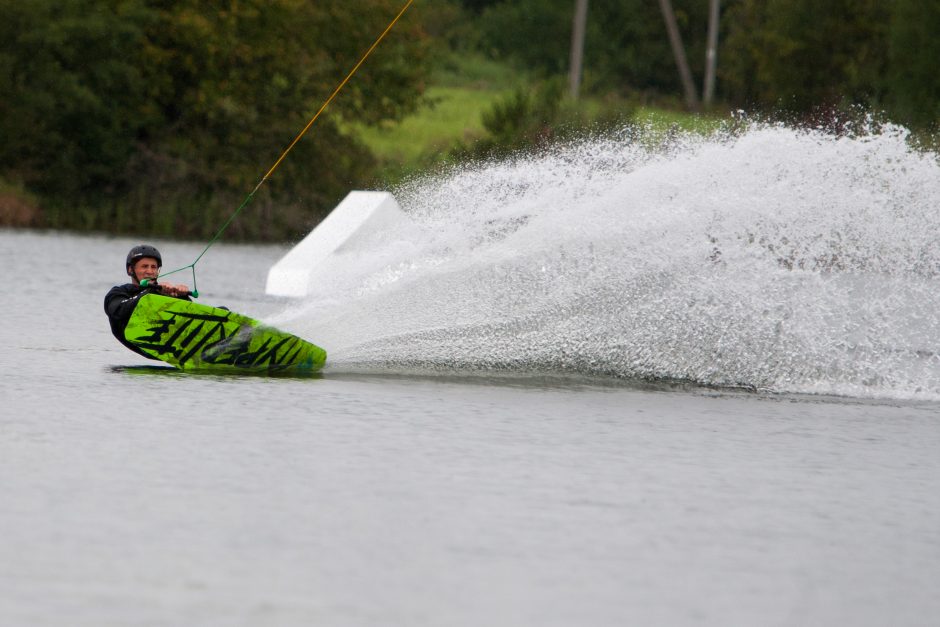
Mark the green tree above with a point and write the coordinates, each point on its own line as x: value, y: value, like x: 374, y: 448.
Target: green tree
x: 160, y: 116
x: 531, y: 119
x: 632, y: 47
x: 803, y: 55
x: 912, y: 79
x: 478, y: 5
x: 626, y: 47
x: 71, y: 83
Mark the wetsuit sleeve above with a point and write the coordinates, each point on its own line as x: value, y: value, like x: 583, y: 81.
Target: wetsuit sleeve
x: 120, y: 302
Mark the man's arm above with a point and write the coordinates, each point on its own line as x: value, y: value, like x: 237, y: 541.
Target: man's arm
x: 120, y: 302
x: 176, y: 290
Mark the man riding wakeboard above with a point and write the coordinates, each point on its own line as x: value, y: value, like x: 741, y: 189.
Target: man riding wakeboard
x: 143, y: 263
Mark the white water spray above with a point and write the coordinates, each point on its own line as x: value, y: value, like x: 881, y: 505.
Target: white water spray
x: 770, y: 258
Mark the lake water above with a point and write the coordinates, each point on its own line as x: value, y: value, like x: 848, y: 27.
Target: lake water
x: 520, y: 424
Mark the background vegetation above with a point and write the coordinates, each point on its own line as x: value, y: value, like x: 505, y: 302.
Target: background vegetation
x: 158, y: 117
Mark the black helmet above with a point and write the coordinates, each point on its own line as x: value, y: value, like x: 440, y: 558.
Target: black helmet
x: 139, y: 252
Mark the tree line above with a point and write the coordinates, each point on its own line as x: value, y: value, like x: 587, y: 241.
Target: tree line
x: 795, y: 57
x: 158, y: 116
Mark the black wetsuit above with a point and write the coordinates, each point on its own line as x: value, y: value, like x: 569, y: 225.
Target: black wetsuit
x: 119, y: 304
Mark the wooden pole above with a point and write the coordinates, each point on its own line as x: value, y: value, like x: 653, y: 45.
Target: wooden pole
x: 711, y: 53
x: 678, y: 51
x: 577, y: 46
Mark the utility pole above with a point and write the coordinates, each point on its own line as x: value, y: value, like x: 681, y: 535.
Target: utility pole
x: 577, y: 46
x: 711, y: 53
x: 678, y: 51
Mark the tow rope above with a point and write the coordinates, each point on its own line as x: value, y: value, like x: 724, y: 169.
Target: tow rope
x: 268, y: 174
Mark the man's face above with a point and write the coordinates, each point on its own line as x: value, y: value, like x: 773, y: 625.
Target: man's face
x: 145, y: 268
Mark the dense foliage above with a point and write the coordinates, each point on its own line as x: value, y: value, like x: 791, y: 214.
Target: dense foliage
x: 159, y: 116
x: 799, y: 58
x: 912, y: 83
x: 804, y: 56
x: 626, y: 46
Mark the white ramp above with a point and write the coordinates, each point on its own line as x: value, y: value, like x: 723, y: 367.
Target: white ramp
x: 353, y: 226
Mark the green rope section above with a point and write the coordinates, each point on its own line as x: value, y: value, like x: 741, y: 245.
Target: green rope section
x: 216, y: 237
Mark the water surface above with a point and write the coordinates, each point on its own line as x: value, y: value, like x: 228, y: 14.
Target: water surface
x: 420, y: 481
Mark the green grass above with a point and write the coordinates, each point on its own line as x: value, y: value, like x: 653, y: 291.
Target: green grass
x: 453, y: 114
x: 456, y: 115
x: 662, y: 119
x: 463, y: 88
x: 474, y: 71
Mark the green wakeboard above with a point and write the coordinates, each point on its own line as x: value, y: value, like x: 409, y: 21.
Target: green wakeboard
x: 195, y: 337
